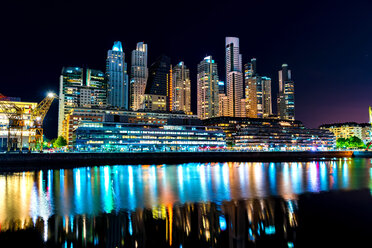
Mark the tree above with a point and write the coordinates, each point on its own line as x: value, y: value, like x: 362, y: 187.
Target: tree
x: 59, y: 142
x: 355, y: 142
x: 341, y: 143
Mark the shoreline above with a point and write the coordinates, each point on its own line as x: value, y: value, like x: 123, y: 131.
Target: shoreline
x: 36, y: 161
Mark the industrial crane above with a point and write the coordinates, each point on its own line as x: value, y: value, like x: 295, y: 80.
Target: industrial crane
x: 35, y: 139
x: 16, y: 122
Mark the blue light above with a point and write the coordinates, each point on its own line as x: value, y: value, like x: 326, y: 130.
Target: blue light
x: 117, y: 46
x: 222, y: 223
x: 270, y: 230
x: 221, y: 83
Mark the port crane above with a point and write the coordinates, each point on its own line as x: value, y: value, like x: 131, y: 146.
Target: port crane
x: 36, y: 131
x: 17, y: 122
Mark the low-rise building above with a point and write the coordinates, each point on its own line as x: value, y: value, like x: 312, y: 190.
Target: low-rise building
x: 128, y: 137
x: 349, y: 129
x: 77, y: 115
x: 271, y: 134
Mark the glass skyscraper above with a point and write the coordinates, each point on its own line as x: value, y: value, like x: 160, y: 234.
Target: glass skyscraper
x: 181, y: 88
x: 208, y: 89
x: 139, y: 74
x: 286, y: 101
x: 117, y: 77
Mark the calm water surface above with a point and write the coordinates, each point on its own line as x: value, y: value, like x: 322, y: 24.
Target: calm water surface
x: 207, y: 204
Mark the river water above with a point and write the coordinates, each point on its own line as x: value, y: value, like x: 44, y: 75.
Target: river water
x: 185, y: 205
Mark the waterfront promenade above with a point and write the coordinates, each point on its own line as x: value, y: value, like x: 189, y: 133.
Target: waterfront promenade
x: 10, y: 162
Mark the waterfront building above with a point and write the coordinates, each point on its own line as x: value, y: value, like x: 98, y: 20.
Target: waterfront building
x: 267, y: 107
x: 234, y: 76
x: 22, y: 140
x: 117, y: 77
x: 139, y: 75
x: 271, y: 134
x: 80, y: 87
x: 126, y: 137
x: 77, y: 115
x: 181, y: 88
x: 250, y: 70
x: 207, y: 89
x: 286, y: 99
x: 159, y: 82
x: 349, y: 129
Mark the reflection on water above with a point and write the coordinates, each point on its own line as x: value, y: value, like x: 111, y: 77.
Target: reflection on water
x: 212, y: 204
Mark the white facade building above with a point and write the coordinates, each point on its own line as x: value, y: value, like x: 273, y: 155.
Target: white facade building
x: 139, y: 75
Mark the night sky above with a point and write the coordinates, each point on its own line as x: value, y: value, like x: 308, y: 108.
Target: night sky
x: 327, y: 45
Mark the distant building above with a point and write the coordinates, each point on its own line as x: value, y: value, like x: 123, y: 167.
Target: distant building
x: 349, y: 129
x: 139, y: 75
x: 234, y: 76
x: 207, y: 89
x: 117, y: 77
x: 126, y: 137
x: 271, y: 134
x: 154, y: 103
x: 80, y: 87
x: 286, y: 98
x: 160, y: 81
x: 250, y: 69
x: 181, y: 88
x: 222, y: 100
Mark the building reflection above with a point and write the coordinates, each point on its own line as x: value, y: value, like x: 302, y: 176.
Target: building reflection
x: 183, y: 205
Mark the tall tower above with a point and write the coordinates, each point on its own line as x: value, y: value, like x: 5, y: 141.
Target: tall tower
x: 139, y: 75
x: 234, y: 76
x: 208, y: 90
x: 286, y: 101
x: 181, y: 88
x: 117, y: 77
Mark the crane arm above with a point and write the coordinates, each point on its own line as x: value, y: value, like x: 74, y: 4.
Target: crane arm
x: 40, y: 111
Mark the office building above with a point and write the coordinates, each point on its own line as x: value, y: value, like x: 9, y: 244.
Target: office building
x: 234, y: 76
x: 117, y: 77
x: 127, y: 137
x: 139, y: 75
x: 80, y: 87
x: 222, y: 100
x: 258, y: 97
x: 181, y: 88
x: 207, y: 89
x: 286, y: 99
x: 271, y: 134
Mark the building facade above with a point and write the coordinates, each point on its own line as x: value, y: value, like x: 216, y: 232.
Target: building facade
x: 207, y: 89
x: 80, y: 87
x: 139, y: 75
x: 181, y: 88
x: 77, y: 115
x: 286, y: 99
x: 128, y: 137
x: 234, y: 76
x: 117, y: 77
x: 258, y: 97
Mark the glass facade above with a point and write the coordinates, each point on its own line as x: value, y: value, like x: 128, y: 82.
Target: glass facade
x: 129, y: 137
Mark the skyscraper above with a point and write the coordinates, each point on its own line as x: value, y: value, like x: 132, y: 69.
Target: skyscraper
x: 267, y: 108
x: 80, y: 87
x: 234, y: 77
x: 286, y: 101
x: 117, y: 77
x: 160, y: 81
x: 181, y: 88
x: 208, y: 90
x: 139, y: 75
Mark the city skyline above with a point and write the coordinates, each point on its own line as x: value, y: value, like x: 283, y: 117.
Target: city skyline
x: 332, y: 57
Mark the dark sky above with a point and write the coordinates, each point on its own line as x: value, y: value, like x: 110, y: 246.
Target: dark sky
x: 327, y: 44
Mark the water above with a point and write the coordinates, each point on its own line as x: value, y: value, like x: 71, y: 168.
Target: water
x: 195, y: 204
